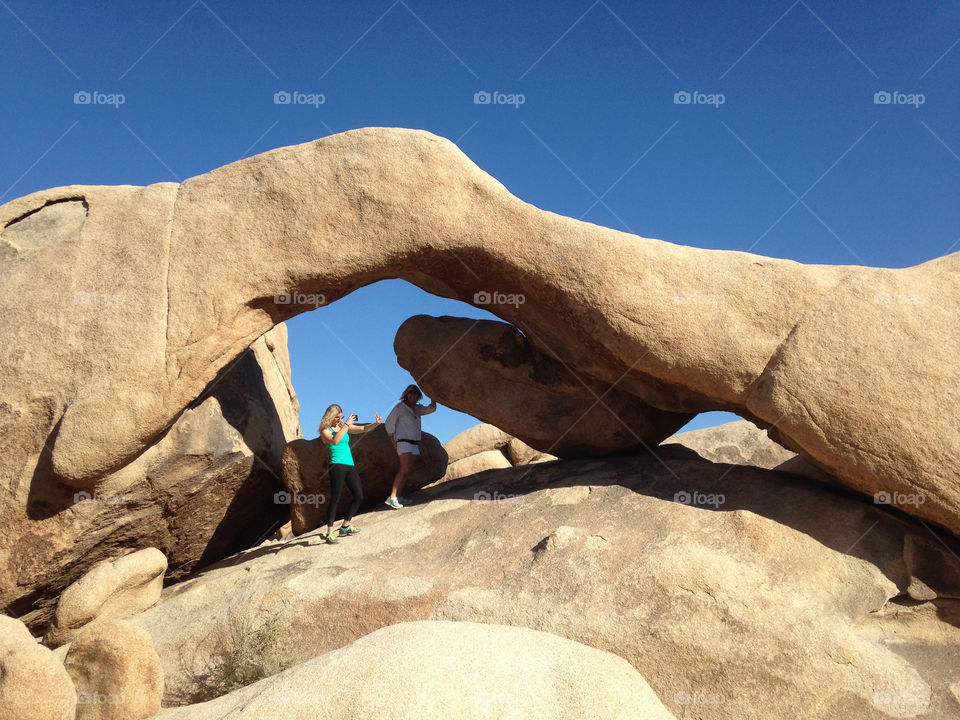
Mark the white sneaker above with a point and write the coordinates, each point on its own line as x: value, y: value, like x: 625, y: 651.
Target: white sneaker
x: 393, y: 502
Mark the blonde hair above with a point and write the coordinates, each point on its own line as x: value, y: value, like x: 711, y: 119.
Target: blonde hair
x: 329, y: 416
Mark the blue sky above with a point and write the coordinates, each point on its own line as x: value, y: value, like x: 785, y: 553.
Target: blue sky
x: 785, y: 148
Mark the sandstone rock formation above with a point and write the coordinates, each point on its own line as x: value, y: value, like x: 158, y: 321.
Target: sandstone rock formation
x: 476, y: 439
x: 476, y: 672
x: 520, y: 453
x: 307, y: 485
x: 490, y: 370
x: 933, y: 568
x: 482, y: 461
x: 738, y: 593
x: 116, y: 672
x: 486, y: 447
x: 202, y: 490
x: 33, y: 682
x: 112, y: 589
x: 854, y: 367
x: 743, y: 443
x: 735, y: 443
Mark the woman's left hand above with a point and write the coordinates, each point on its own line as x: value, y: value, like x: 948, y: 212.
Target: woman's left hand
x: 379, y: 419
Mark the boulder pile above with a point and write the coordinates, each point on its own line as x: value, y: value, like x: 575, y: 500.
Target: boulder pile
x: 486, y: 447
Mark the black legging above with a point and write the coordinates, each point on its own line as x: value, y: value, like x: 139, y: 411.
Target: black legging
x: 340, y: 474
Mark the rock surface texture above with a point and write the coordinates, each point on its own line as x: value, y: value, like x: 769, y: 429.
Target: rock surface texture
x: 486, y: 447
x: 151, y: 292
x: 738, y: 593
x: 734, y: 443
x: 34, y: 685
x: 477, y: 672
x: 490, y: 370
x: 202, y: 490
x: 116, y: 671
x: 112, y: 589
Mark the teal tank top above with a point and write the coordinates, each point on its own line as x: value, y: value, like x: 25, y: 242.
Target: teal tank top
x: 340, y: 453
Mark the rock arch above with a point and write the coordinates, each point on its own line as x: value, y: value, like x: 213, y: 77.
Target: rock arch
x: 111, y: 332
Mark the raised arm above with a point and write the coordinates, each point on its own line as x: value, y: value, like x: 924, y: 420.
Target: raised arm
x: 366, y: 427
x: 427, y: 409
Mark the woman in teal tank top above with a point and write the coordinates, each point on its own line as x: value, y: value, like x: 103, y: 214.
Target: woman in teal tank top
x: 335, y: 434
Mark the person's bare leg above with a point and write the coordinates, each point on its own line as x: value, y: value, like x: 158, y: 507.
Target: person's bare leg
x: 406, y: 465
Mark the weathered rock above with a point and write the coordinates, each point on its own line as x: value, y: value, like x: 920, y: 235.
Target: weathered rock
x: 520, y: 453
x: 116, y: 672
x: 202, y: 490
x: 476, y: 439
x: 112, y: 589
x: 476, y: 672
x: 933, y: 568
x: 735, y: 443
x: 487, y: 447
x: 473, y: 464
x: 743, y: 443
x: 855, y: 367
x: 33, y: 682
x: 744, y: 599
x: 491, y: 371
x: 483, y: 437
x: 307, y: 485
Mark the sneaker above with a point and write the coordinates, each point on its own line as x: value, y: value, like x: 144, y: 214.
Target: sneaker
x: 347, y: 530
x: 393, y: 502
x: 331, y: 538
x: 404, y: 501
